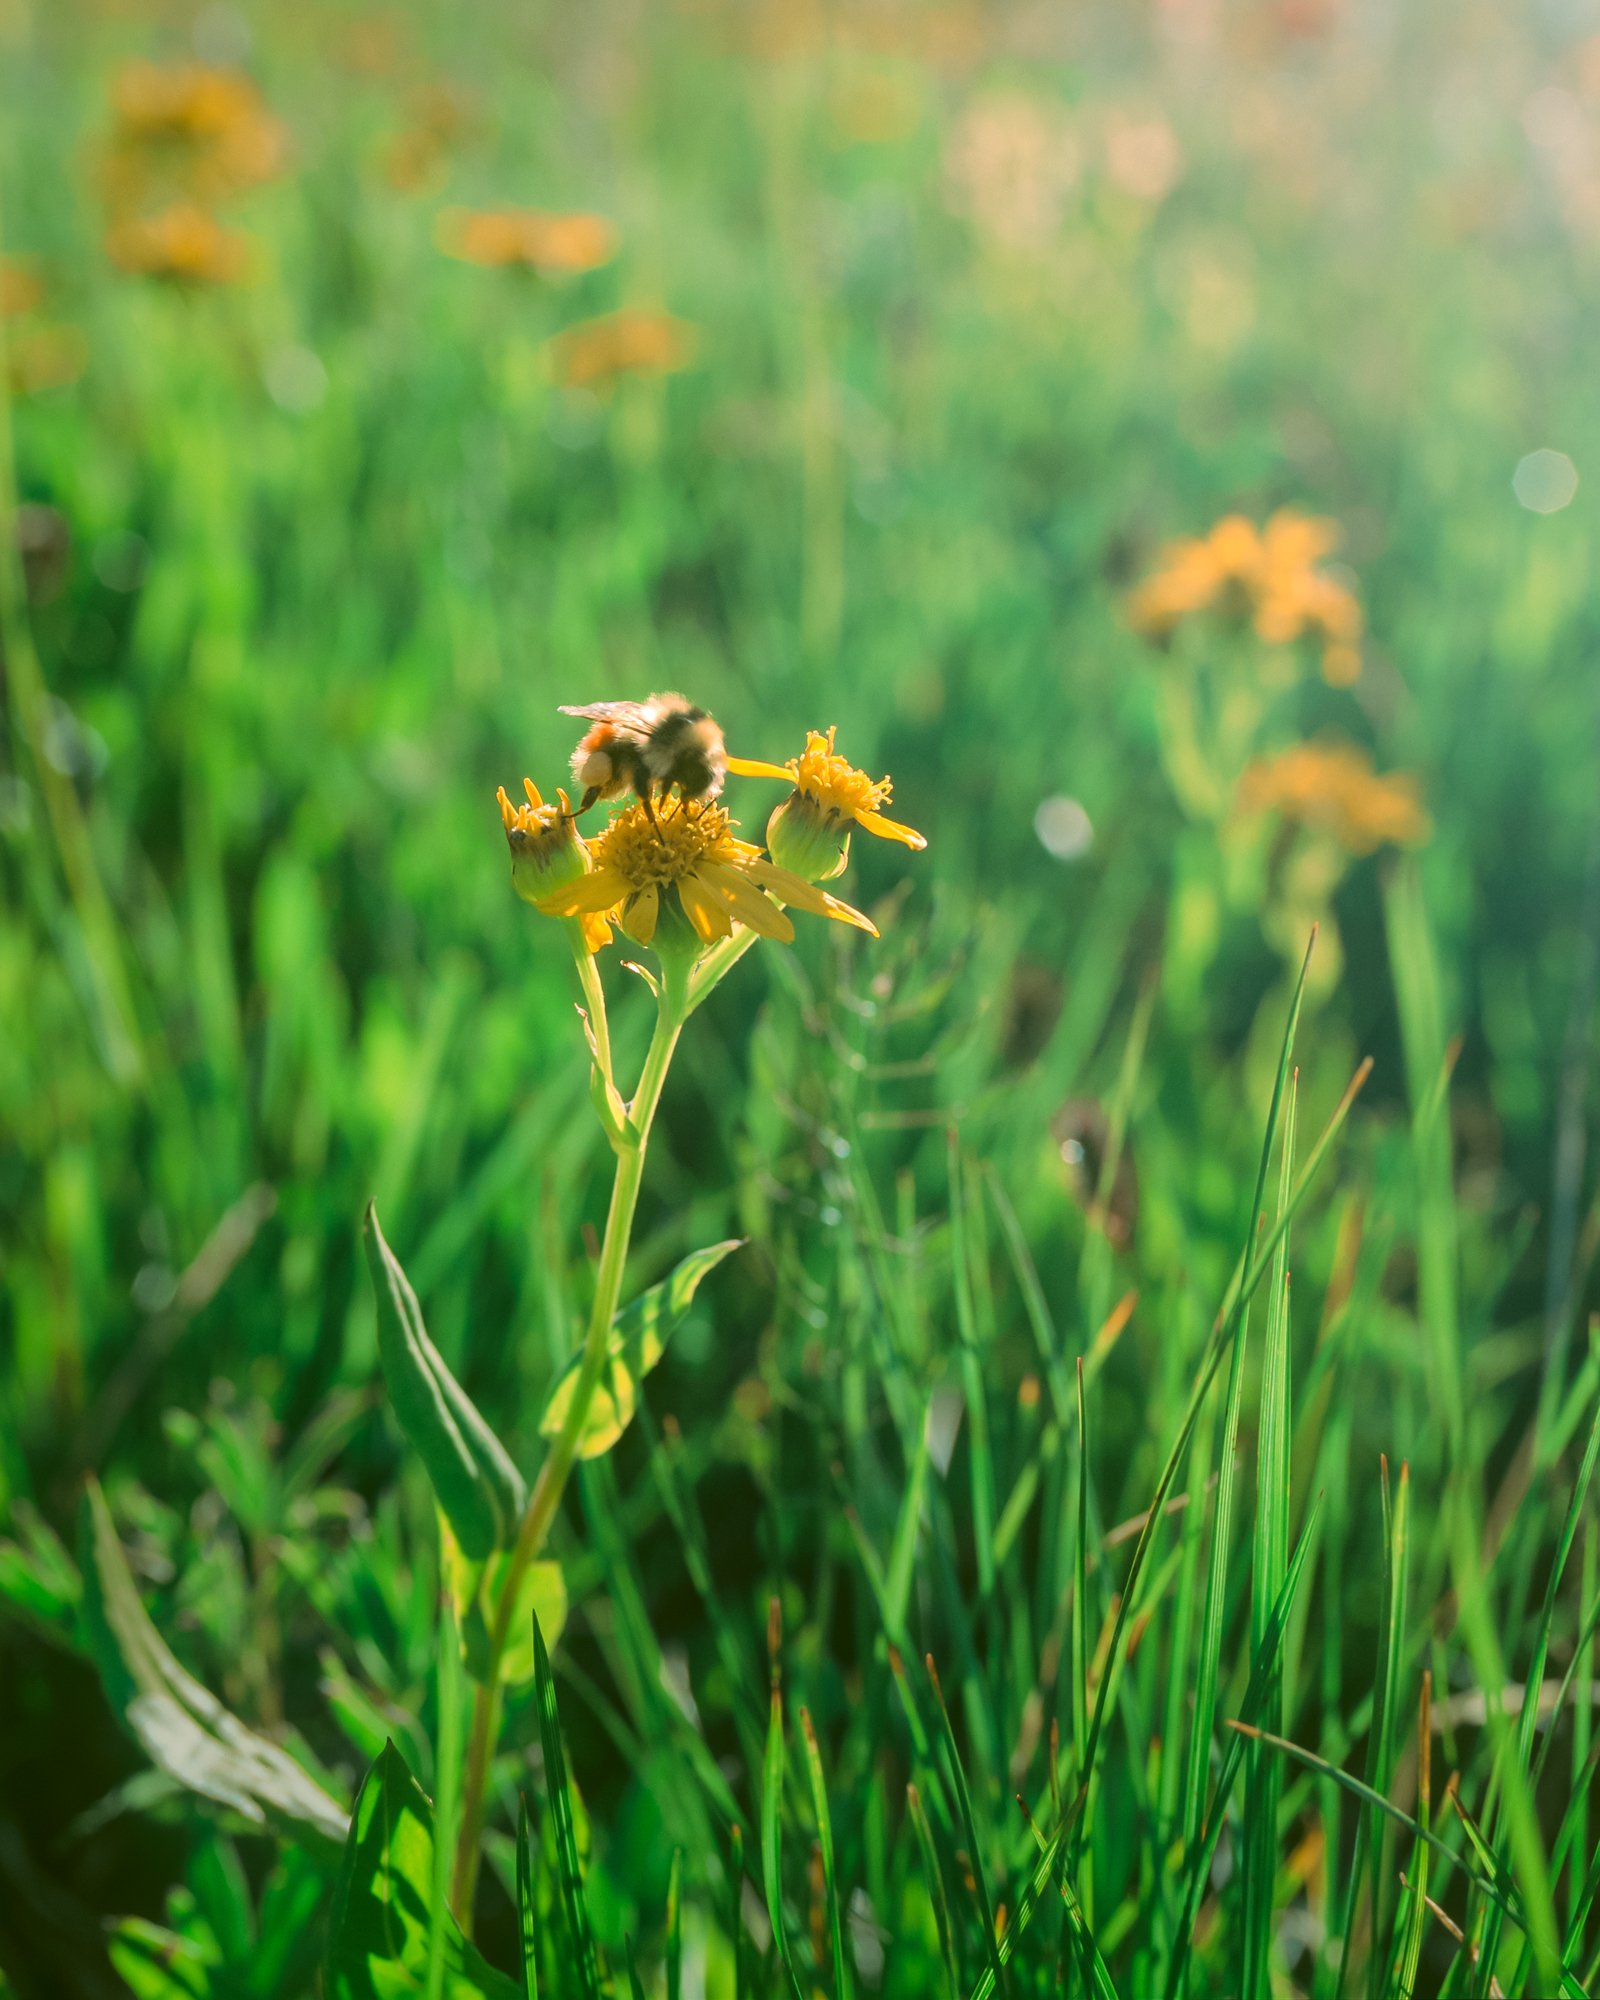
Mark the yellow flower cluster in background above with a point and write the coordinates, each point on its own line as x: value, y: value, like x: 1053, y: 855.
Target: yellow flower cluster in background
x: 189, y: 130
x: 1270, y: 575
x: 41, y: 352
x: 527, y: 239
x: 183, y: 139
x: 182, y: 243
x: 1331, y: 788
x: 596, y: 352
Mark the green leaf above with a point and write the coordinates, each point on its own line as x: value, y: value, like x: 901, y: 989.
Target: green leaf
x: 475, y: 1591
x: 157, y: 1964
x: 184, y: 1729
x: 480, y: 1490
x: 639, y: 1337
x: 378, y: 1933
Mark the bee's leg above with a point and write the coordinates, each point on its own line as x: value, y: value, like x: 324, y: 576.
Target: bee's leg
x: 589, y: 797
x: 648, y: 802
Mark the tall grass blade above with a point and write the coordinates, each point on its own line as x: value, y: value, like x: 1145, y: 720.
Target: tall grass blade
x: 558, y: 1794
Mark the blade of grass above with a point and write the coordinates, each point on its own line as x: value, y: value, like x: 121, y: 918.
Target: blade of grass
x: 969, y: 1824
x: 447, y: 1795
x: 981, y: 1459
x: 527, y: 1907
x: 558, y: 1793
x: 830, y: 1883
x: 1263, y: 1789
x: 736, y: 1908
x: 675, y: 1927
x: 936, y: 1888
x: 1417, y: 1889
x: 1235, y: 1302
x: 1197, y: 1859
x: 774, y: 1772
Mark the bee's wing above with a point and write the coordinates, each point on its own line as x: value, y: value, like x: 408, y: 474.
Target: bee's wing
x: 639, y: 715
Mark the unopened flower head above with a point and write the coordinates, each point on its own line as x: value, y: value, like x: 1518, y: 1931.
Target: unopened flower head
x: 683, y: 879
x: 547, y: 853
x: 810, y: 831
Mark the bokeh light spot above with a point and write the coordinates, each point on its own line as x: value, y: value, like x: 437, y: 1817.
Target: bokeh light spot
x: 1064, y: 828
x: 1545, y: 481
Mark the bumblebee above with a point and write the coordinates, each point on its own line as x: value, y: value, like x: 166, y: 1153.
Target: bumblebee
x: 649, y: 747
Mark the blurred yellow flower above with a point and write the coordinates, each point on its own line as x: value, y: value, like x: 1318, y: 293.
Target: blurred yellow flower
x: 21, y: 288
x: 40, y: 354
x: 595, y: 352
x: 1011, y: 164
x: 527, y: 239
x: 810, y: 831
x: 1332, y: 788
x: 548, y: 853
x: 417, y: 155
x: 45, y: 357
x: 189, y: 130
x: 1269, y: 574
x: 183, y: 243
x: 686, y: 861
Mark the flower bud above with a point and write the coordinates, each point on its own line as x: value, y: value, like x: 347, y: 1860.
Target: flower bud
x: 547, y: 850
x: 810, y: 839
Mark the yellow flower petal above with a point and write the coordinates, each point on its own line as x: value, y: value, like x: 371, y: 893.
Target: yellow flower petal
x: 703, y: 910
x: 753, y: 767
x: 532, y: 791
x: 806, y: 896
x: 639, y: 918
x: 754, y: 910
x: 890, y: 829
x: 598, y: 890
x: 596, y: 933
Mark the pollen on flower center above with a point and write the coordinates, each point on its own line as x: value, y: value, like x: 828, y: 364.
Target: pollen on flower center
x: 822, y: 774
x: 681, y: 838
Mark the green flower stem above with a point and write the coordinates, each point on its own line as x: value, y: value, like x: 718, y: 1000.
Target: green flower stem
x: 672, y: 1010
x: 594, y: 996
x: 717, y: 963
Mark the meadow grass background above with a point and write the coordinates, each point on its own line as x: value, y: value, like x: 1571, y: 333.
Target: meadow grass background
x: 987, y: 305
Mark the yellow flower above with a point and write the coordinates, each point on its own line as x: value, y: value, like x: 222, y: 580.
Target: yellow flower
x: 21, y: 288
x: 417, y: 155
x: 547, y: 853
x: 183, y: 243
x: 1332, y: 788
x: 40, y: 354
x: 526, y: 238
x: 191, y: 129
x: 810, y: 832
x: 594, y: 353
x: 1270, y: 574
x: 46, y: 357
x: 686, y: 862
